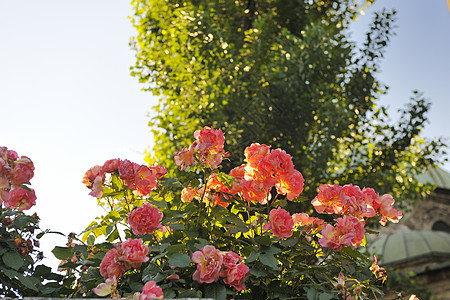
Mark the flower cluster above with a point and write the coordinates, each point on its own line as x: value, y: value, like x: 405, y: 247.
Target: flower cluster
x: 145, y: 219
x: 208, y: 146
x: 15, y: 174
x: 139, y: 178
x: 213, y: 263
x: 351, y: 200
x: 356, y: 206
x: 124, y: 256
x: 264, y: 169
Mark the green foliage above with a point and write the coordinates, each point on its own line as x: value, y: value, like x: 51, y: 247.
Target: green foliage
x: 21, y: 274
x: 294, y: 267
x: 283, y: 73
x: 407, y: 283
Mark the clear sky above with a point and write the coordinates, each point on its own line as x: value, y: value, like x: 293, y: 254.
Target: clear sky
x: 69, y: 103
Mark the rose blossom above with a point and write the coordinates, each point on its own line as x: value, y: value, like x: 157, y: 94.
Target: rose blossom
x: 209, y: 263
x: 106, y: 288
x: 330, y: 198
x: 21, y: 173
x: 157, y: 170
x: 21, y: 198
x: 111, y: 165
x: 145, y: 219
x: 110, y: 267
x: 350, y: 225
x: 281, y: 223
x: 185, y: 157
x: 132, y: 253
x: 188, y: 194
x: 387, y: 210
x: 127, y: 173
x: 231, y: 259
x: 149, y: 291
x: 290, y: 184
x: 235, y: 276
x: 144, y: 181
x: 91, y: 174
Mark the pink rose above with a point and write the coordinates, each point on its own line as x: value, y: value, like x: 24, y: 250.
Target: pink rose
x: 387, y: 210
x: 235, y: 276
x: 209, y: 140
x: 209, y: 144
x: 144, y: 181
x: 329, y: 238
x: 281, y: 223
x: 91, y: 174
x: 231, y: 259
x: 106, y: 288
x: 127, y: 173
x: 97, y: 187
x: 145, y: 219
x: 290, y: 184
x: 158, y: 171
x: 184, y: 157
x: 132, y: 253
x: 12, y: 155
x: 330, y: 198
x: 150, y: 291
x: 21, y: 173
x: 372, y: 202
x: 209, y: 263
x: 351, y: 228
x: 20, y: 198
x: 256, y: 152
x: 188, y: 194
x: 110, y: 267
x: 111, y: 165
x: 281, y: 161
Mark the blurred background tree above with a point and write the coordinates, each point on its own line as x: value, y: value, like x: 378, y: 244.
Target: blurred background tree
x: 283, y: 73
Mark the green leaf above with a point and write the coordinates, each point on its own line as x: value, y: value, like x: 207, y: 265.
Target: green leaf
x: 13, y: 260
x: 252, y: 257
x: 326, y: 296
x: 175, y: 248
x: 311, y: 293
x: 216, y: 291
x: 113, y: 236
x: 290, y: 242
x: 269, y: 260
x: 263, y: 240
x: 176, y: 226
x: 180, y: 260
x: 42, y: 270
x: 10, y: 273
x: 22, y: 221
x: 28, y: 282
x: 90, y: 240
x: 63, y: 253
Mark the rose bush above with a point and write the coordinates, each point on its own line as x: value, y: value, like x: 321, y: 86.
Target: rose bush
x: 21, y: 270
x: 211, y: 234
x: 206, y: 233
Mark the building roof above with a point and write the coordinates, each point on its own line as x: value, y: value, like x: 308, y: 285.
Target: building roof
x: 405, y: 246
x: 437, y: 176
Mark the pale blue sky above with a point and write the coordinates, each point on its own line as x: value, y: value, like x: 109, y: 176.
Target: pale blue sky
x: 68, y: 101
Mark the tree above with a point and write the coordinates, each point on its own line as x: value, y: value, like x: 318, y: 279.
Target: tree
x: 283, y: 73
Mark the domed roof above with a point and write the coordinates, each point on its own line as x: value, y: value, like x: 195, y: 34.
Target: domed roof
x: 436, y: 176
x: 402, y: 247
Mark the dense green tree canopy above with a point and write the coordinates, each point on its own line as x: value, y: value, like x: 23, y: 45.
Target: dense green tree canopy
x: 283, y: 73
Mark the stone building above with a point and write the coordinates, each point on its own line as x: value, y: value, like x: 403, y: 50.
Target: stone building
x: 421, y: 241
